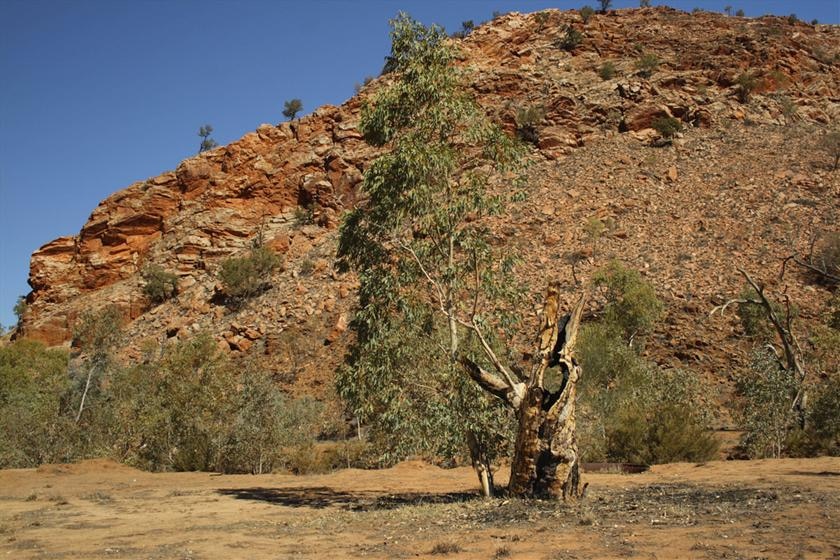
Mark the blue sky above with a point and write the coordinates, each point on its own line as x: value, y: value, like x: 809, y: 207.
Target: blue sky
x: 95, y: 95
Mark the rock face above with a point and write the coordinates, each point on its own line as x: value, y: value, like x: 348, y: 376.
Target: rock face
x: 723, y: 194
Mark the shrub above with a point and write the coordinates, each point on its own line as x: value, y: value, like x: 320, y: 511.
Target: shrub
x: 746, y: 84
x: 541, y: 18
x: 267, y: 429
x: 245, y: 277
x: 159, y: 285
x: 830, y: 144
x: 768, y: 392
x: 666, y: 126
x: 792, y: 19
x: 647, y: 64
x: 291, y: 108
x: 824, y: 416
x: 605, y: 5
x: 607, y: 70
x: 527, y: 119
x: 632, y: 411
x: 207, y: 143
x: 754, y: 318
x: 586, y: 13
x: 570, y: 40
x: 467, y: 27
x: 304, y: 215
x: 20, y: 309
x: 35, y: 426
x: 644, y: 3
x: 632, y: 305
x: 740, y: 13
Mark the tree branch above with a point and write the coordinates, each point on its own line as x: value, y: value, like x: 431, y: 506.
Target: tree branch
x: 491, y: 383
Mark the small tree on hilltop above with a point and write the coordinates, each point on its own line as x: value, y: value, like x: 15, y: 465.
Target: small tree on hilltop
x: 207, y: 143
x: 291, y: 108
x: 436, y: 297
x: 605, y: 5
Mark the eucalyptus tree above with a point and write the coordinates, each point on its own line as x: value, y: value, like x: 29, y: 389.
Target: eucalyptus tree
x: 437, y: 299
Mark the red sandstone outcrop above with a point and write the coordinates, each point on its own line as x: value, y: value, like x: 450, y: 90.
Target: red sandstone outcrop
x: 738, y: 186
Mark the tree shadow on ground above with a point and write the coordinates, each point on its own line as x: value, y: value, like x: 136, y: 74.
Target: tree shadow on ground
x: 322, y: 497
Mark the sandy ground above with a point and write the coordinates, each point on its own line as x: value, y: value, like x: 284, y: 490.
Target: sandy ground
x: 100, y: 509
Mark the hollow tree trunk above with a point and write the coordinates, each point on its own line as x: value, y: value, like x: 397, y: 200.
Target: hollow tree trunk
x: 546, y: 462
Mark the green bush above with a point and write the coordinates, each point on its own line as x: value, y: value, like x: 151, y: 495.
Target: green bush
x: 632, y: 306
x: 666, y: 126
x: 291, y: 108
x: 607, y: 70
x: 765, y: 412
x: 754, y: 318
x: 20, y: 309
x: 633, y: 411
x: 245, y: 277
x: 570, y: 40
x: 586, y: 13
x: 35, y: 424
x: 159, y: 285
x: 746, y: 84
x: 527, y: 119
x: 647, y: 64
x: 268, y: 429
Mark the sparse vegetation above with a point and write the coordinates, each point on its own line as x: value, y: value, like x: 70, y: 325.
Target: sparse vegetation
x: 446, y: 548
x: 542, y: 19
x: 245, y: 277
x: 467, y: 27
x: 644, y: 3
x: 20, y: 309
x: 631, y: 410
x: 527, y: 120
x: 207, y: 143
x: 586, y: 13
x: 740, y: 13
x: 647, y: 64
x: 667, y: 127
x: 746, y: 84
x: 158, y: 284
x: 570, y: 40
x: 607, y: 70
x: 830, y: 144
x: 605, y: 5
x: 291, y: 108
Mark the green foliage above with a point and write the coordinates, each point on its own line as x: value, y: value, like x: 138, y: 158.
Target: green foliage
x: 541, y: 19
x: 268, y: 429
x: 746, y: 84
x: 644, y: 3
x: 633, y: 411
x: 740, y: 13
x: 291, y: 108
x: 632, y: 306
x: 753, y: 316
x: 570, y: 40
x: 727, y: 10
x: 304, y: 216
x: 420, y: 245
x: 527, y: 119
x: 467, y: 27
x: 607, y: 70
x: 666, y: 126
x: 586, y: 13
x: 20, y: 309
x: 35, y: 426
x: 830, y: 144
x: 246, y: 277
x: 207, y: 143
x: 605, y: 5
x: 647, y: 64
x: 792, y: 19
x: 765, y: 413
x: 159, y: 285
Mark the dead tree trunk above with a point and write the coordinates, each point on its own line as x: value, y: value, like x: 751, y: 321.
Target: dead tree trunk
x: 546, y: 461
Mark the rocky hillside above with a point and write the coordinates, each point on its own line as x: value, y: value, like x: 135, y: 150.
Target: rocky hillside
x: 743, y: 184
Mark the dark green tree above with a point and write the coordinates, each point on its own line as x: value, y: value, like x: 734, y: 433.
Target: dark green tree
x: 291, y: 108
x: 207, y: 143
